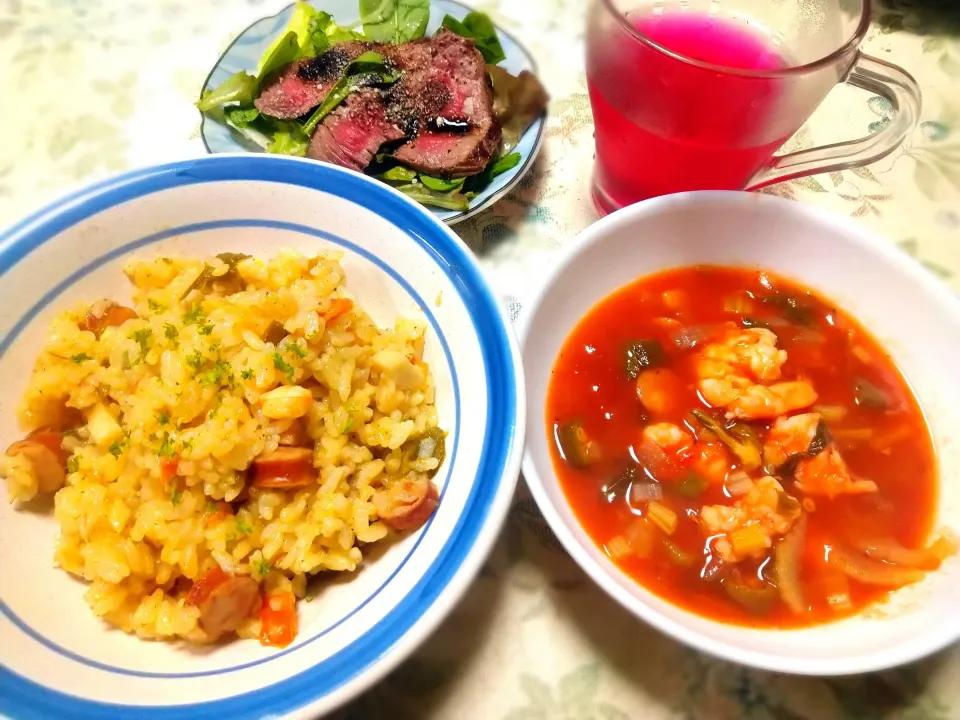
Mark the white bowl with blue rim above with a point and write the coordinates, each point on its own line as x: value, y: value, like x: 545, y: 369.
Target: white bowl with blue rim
x: 56, y: 658
x: 245, y: 51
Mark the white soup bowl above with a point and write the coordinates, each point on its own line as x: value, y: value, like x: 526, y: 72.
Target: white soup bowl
x: 913, y: 315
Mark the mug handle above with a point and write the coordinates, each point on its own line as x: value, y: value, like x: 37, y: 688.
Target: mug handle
x: 875, y: 76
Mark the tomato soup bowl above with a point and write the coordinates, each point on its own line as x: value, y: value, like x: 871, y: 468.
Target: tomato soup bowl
x: 914, y: 317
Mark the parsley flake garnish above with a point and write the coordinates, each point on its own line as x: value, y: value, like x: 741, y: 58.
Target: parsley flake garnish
x: 297, y: 350
x: 220, y: 373
x: 282, y: 365
x: 193, y: 315
x: 166, y: 447
x: 79, y: 358
x: 196, y: 360
x: 117, y: 448
x: 142, y: 337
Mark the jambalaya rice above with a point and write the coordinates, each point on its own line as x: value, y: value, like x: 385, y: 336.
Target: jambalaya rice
x: 243, y: 427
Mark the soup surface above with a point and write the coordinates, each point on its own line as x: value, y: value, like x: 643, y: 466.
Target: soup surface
x: 743, y: 448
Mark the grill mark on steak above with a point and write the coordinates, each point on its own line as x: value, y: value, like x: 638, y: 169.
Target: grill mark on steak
x: 325, y: 67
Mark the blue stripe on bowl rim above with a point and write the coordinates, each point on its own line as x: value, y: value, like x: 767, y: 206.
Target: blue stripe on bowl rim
x: 20, y: 697
x: 201, y: 227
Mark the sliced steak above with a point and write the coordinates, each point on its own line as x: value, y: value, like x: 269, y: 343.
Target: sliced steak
x: 302, y: 85
x: 448, y: 154
x: 418, y: 99
x: 413, y: 55
x: 448, y: 104
x: 442, y: 101
x: 351, y: 135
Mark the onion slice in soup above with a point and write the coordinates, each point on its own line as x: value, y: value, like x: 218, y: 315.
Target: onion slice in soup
x: 787, y: 564
x: 872, y: 572
x: 889, y: 550
x: 643, y: 491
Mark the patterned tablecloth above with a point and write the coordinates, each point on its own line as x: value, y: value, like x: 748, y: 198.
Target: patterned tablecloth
x: 91, y: 87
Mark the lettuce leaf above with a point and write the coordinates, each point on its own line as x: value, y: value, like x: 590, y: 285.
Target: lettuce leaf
x: 479, y: 27
x: 448, y: 193
x: 324, y: 23
x: 518, y: 100
x: 398, y: 174
x: 240, y: 116
x: 502, y: 165
x: 479, y: 182
x: 441, y: 184
x: 239, y: 87
x: 394, y: 21
x: 425, y: 196
x: 339, y: 34
x: 289, y: 139
x: 311, y: 27
x: 304, y: 36
x: 284, y: 50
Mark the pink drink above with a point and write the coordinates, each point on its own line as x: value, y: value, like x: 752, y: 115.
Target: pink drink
x: 665, y: 125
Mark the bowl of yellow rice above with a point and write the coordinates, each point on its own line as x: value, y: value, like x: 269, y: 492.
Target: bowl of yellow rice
x: 262, y: 424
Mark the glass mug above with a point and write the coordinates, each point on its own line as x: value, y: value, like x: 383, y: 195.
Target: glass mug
x: 699, y: 94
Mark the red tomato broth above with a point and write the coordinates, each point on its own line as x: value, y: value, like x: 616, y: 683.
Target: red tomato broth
x: 589, y: 384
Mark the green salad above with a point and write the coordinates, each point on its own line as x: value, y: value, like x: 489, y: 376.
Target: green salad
x: 517, y: 100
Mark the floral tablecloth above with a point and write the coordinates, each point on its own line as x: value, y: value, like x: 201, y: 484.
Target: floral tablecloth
x: 91, y: 87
